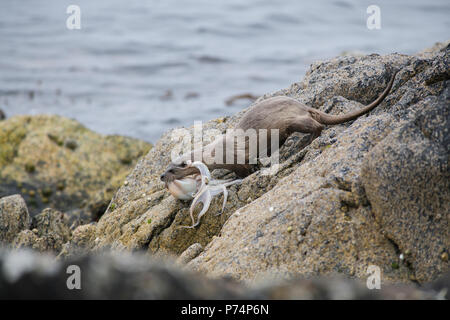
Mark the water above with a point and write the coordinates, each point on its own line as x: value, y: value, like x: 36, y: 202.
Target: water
x: 139, y: 68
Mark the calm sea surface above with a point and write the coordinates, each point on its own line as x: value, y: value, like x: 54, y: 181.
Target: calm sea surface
x: 138, y: 68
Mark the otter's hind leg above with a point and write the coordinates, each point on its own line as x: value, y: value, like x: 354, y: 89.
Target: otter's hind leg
x: 306, y: 124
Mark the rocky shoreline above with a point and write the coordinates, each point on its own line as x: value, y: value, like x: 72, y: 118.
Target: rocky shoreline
x: 375, y: 191
x: 56, y: 162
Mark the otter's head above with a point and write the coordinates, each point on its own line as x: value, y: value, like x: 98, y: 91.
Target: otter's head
x: 178, y: 170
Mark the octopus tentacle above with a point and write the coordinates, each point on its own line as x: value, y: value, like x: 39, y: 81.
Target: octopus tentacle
x: 207, y: 189
x: 225, y: 196
x: 204, y: 197
x: 204, y: 173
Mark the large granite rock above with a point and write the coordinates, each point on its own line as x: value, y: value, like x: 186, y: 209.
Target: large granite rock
x: 321, y: 218
x: 407, y: 181
x: 320, y: 213
x: 56, y: 162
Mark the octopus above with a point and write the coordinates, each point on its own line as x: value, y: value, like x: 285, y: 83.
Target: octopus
x: 201, y: 189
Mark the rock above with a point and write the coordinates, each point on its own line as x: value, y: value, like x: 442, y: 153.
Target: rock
x: 438, y: 46
x: 30, y: 275
x: 307, y: 231
x: 327, y: 199
x: 14, y: 218
x: 56, y: 162
x: 341, y: 288
x: 135, y: 221
x: 50, y: 230
x: 71, y: 144
x: 190, y: 253
x: 315, y: 216
x: 2, y: 115
x: 407, y: 181
x: 82, y: 241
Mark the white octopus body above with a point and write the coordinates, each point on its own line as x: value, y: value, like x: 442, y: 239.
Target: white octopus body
x: 184, y: 189
x: 200, y: 188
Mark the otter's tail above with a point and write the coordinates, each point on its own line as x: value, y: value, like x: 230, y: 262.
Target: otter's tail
x: 329, y: 119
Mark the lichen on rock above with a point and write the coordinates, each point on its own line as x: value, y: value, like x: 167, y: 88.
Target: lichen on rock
x: 56, y: 162
x: 407, y: 181
x: 14, y: 218
x: 49, y: 231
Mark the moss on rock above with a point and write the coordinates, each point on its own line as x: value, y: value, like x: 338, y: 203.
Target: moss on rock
x: 64, y: 165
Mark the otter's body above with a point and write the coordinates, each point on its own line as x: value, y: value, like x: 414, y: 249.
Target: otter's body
x: 281, y: 113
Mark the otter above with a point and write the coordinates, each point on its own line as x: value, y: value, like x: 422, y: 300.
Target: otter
x: 285, y: 114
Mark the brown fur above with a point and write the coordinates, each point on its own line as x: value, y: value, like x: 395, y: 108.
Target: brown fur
x: 282, y: 113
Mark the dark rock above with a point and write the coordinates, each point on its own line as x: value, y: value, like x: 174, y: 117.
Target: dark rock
x: 29, y: 275
x: 14, y: 218
x: 407, y: 181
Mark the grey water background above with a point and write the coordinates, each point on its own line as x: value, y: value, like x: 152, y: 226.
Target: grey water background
x: 138, y: 68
